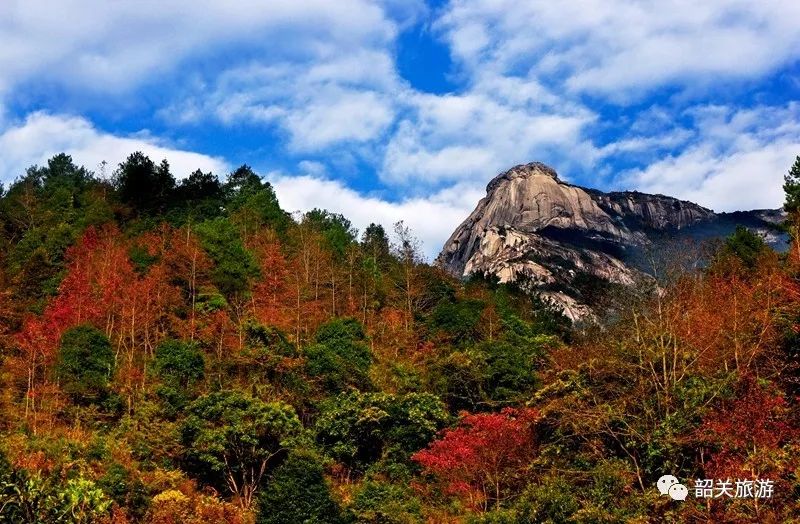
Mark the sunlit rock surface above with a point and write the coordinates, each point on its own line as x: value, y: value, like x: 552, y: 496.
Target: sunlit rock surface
x: 549, y: 236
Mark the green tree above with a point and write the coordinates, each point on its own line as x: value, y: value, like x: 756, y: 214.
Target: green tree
x: 745, y: 245
x: 241, y: 184
x: 198, y: 197
x: 179, y: 363
x: 457, y: 320
x: 791, y: 187
x: 340, y: 358
x: 42, y: 214
x: 264, y: 206
x: 297, y: 492
x: 341, y: 329
x: 459, y: 378
x: 491, y: 373
x: 268, y: 357
x: 232, y: 440
x: 269, y: 339
x: 337, y: 231
x: 358, y: 429
x: 200, y: 186
x: 376, y: 261
x: 253, y: 202
x: 375, y: 245
x: 379, y: 502
x: 234, y: 265
x: 143, y: 185
x: 511, y: 374
x: 85, y: 364
x: 552, y: 500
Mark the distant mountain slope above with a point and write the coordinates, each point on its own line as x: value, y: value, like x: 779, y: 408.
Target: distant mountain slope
x: 546, y: 234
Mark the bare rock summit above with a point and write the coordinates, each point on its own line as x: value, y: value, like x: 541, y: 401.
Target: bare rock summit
x: 554, y: 238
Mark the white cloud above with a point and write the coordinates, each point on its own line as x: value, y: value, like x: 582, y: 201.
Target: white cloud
x: 432, y: 219
x: 736, y: 161
x: 325, y: 75
x: 113, y: 46
x: 42, y: 135
x: 355, y: 97
x: 320, y: 103
x: 528, y: 66
x: 646, y: 145
x: 357, y: 116
x: 499, y: 122
x: 617, y: 47
x: 312, y: 167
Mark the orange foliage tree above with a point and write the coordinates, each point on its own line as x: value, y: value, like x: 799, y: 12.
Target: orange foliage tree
x: 271, y: 300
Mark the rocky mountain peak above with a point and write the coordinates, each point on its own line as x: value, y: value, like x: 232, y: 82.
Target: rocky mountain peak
x: 525, y: 171
x: 532, y: 227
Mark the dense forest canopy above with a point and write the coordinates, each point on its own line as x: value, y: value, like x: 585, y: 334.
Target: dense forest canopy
x: 186, y: 351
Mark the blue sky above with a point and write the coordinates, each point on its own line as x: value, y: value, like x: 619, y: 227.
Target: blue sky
x: 404, y: 109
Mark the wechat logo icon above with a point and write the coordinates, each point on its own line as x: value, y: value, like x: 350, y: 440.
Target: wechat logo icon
x: 669, y: 485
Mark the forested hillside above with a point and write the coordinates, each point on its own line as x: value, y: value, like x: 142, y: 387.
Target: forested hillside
x: 189, y: 352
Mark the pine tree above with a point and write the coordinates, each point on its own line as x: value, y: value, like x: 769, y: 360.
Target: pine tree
x: 791, y: 186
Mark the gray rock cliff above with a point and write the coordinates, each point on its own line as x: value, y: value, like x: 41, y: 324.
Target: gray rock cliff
x: 545, y: 234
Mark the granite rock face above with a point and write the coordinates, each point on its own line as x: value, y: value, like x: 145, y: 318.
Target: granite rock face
x: 545, y: 234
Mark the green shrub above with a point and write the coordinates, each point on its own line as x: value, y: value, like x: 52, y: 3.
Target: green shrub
x: 358, y: 429
x: 340, y: 358
x: 551, y: 501
x: 298, y: 493
x: 383, y: 503
x: 85, y: 364
x: 179, y: 363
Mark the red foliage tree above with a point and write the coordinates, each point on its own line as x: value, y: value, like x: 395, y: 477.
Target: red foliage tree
x: 752, y: 437
x: 80, y: 300
x: 187, y: 264
x: 144, y: 302
x: 482, y: 459
x: 97, y: 269
x: 37, y: 344
x: 101, y: 288
x: 744, y: 436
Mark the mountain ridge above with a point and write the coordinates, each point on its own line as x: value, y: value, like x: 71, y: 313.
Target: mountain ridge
x: 535, y: 229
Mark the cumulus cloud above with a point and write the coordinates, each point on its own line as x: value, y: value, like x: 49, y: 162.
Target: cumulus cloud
x: 736, y: 160
x: 616, y: 47
x: 348, y: 97
x: 432, y: 219
x: 113, y: 46
x: 499, y: 122
x: 320, y: 103
x: 560, y: 82
x: 528, y: 66
x: 42, y: 135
